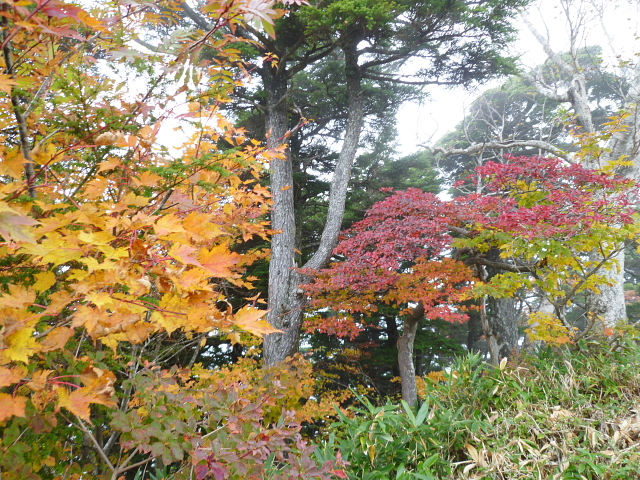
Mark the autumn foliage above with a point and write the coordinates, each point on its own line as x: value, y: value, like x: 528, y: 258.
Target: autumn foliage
x: 542, y: 216
x: 114, y: 247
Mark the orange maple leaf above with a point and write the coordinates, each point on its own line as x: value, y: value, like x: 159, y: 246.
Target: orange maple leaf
x: 56, y: 339
x: 10, y: 406
x: 219, y: 260
x: 9, y: 376
x: 76, y: 402
x: 7, y: 83
x: 16, y: 227
x: 99, y: 389
x: 19, y: 297
x: 184, y: 254
x: 39, y: 380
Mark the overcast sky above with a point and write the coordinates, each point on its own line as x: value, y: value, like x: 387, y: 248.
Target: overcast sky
x: 426, y: 123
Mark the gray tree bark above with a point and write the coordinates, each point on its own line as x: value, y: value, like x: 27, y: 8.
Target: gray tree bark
x: 405, y: 355
x: 502, y: 327
x: 286, y: 299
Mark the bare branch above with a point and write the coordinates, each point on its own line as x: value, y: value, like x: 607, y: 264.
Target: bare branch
x: 481, y: 147
x: 545, y: 89
x: 16, y: 103
x: 547, y: 47
x: 198, y: 19
x: 89, y: 434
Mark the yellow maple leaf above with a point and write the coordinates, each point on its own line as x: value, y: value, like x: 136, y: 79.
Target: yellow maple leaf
x: 131, y: 199
x: 101, y: 299
x: 199, y: 318
x: 168, y: 225
x: 147, y: 179
x: 92, y: 22
x: 13, y: 164
x: 108, y: 164
x: 248, y: 318
x: 95, y: 188
x: 55, y: 249
x: 77, y: 404
x: 201, y: 227
x: 21, y: 345
x: 113, y: 339
x: 194, y: 279
x: 49, y: 224
x: 44, y: 154
x: 44, y: 281
x: 169, y: 321
x: 96, y: 238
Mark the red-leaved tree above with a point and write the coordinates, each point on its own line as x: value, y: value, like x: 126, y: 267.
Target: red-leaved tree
x: 539, y: 216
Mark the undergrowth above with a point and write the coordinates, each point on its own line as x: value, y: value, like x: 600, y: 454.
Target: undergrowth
x: 564, y: 414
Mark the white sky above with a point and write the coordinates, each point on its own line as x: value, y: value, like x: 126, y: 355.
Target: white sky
x: 425, y: 124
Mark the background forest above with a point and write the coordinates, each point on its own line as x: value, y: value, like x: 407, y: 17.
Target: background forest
x: 214, y: 264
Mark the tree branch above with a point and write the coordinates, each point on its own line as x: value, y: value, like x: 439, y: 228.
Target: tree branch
x: 21, y: 120
x: 88, y: 432
x: 195, y: 17
x: 383, y: 78
x: 481, y: 147
x: 499, y: 265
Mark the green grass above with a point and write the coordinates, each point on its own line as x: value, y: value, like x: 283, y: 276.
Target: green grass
x: 564, y: 414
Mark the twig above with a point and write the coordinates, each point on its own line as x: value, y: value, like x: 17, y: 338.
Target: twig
x: 104, y: 457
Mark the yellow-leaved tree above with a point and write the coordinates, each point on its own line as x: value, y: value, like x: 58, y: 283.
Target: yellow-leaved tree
x: 117, y: 253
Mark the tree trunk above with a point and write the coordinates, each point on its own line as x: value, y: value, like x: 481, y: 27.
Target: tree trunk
x: 474, y: 334
x: 405, y: 356
x: 282, y: 263
x: 609, y: 303
x: 500, y: 319
x: 503, y: 320
x: 286, y: 299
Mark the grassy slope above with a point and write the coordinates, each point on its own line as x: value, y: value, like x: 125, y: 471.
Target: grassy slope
x: 561, y: 415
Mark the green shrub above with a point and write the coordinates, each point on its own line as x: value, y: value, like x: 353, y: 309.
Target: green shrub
x: 562, y: 415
